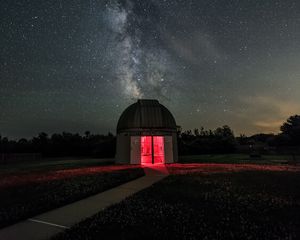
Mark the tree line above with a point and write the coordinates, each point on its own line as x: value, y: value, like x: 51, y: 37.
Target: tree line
x: 63, y: 144
x: 223, y: 140
x: 197, y: 141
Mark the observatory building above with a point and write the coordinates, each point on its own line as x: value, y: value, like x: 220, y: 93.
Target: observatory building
x: 146, y: 134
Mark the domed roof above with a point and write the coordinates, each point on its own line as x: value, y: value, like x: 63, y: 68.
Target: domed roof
x: 146, y: 114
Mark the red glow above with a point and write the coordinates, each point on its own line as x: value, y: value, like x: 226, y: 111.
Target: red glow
x: 18, y: 179
x: 146, y: 149
x: 157, y: 150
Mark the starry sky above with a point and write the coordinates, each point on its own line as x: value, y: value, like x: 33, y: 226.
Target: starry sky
x: 76, y: 65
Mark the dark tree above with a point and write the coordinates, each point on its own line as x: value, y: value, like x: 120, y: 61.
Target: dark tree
x: 242, y: 139
x: 63, y: 145
x: 203, y: 141
x: 87, y: 134
x: 225, y: 141
x: 291, y: 128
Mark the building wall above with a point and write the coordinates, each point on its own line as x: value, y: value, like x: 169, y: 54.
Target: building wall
x: 168, y: 146
x: 135, y: 150
x: 175, y: 147
x: 123, y: 148
x: 128, y: 149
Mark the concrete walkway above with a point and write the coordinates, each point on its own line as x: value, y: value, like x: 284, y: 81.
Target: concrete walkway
x: 50, y: 223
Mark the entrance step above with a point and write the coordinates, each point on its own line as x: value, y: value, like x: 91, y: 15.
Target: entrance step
x: 155, y: 169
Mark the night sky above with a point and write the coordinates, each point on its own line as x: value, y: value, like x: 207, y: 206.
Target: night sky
x: 76, y: 65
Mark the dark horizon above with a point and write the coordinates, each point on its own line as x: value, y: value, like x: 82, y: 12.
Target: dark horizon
x: 76, y: 66
x: 83, y: 132
x: 113, y: 131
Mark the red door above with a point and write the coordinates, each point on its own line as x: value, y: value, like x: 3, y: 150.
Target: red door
x: 146, y: 149
x: 159, y: 151
x: 152, y: 150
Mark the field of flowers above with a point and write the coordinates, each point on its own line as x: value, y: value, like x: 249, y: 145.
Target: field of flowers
x: 28, y: 194
x: 245, y: 204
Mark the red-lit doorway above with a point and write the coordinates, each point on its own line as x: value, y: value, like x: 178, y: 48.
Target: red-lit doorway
x: 152, y: 150
x: 146, y: 149
x: 159, y: 151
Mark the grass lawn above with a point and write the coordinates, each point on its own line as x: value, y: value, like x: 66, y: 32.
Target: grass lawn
x: 28, y: 194
x: 236, y: 158
x: 233, y: 205
x: 48, y: 164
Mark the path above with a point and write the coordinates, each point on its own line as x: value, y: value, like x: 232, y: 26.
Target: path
x: 50, y: 223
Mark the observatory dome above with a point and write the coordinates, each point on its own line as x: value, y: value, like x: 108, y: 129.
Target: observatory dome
x: 146, y: 114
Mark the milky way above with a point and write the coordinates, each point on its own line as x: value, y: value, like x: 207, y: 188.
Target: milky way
x: 75, y: 65
x: 142, y: 64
